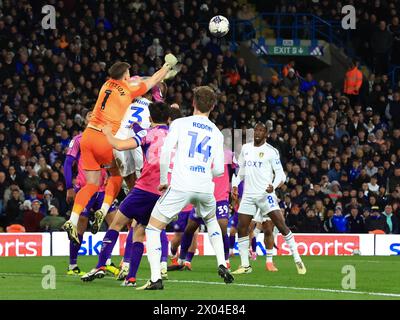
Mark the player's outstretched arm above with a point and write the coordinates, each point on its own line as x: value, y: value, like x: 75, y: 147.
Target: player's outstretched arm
x: 125, y: 144
x: 170, y: 63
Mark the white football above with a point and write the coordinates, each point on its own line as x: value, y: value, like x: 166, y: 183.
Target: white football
x: 218, y: 26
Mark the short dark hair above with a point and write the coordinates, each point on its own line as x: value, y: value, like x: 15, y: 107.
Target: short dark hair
x: 159, y: 112
x: 204, y: 98
x: 174, y: 113
x: 118, y: 69
x: 259, y: 123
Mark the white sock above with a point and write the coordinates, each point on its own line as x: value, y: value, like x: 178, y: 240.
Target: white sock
x: 256, y: 232
x: 289, y: 238
x: 125, y: 265
x: 164, y: 265
x: 243, y: 244
x: 153, y: 247
x: 74, y: 218
x: 108, y: 262
x: 215, y: 236
x: 270, y: 255
x: 105, y: 207
x: 180, y: 261
x: 72, y: 266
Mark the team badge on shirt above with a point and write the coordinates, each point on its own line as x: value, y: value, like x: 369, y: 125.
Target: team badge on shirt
x: 261, y: 154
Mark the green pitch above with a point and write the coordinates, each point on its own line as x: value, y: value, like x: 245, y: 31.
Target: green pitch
x: 376, y: 278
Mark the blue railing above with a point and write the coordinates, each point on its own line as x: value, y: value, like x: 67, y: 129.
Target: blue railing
x: 294, y: 26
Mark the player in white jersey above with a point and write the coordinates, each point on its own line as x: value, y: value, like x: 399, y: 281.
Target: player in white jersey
x: 261, y: 169
x: 130, y: 162
x: 198, y: 158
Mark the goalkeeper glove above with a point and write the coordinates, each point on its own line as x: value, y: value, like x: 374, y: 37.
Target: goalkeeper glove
x: 173, y: 72
x: 170, y: 61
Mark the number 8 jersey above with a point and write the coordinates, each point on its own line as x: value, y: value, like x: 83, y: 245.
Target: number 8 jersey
x: 199, y: 145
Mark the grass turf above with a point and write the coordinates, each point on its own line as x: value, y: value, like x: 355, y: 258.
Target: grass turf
x: 376, y: 278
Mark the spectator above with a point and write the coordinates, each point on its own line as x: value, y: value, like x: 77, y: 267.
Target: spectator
x: 311, y: 223
x: 31, y: 180
x: 373, y: 184
x: 381, y: 45
x: 13, y: 212
x: 308, y: 83
x: 370, y: 168
x: 391, y: 220
x: 327, y: 225
x: 32, y: 218
x: 48, y: 201
x: 338, y: 221
x: 293, y: 219
x: 52, y: 222
x: 394, y: 180
x: 355, y: 221
x: 394, y: 29
x: 352, y: 83
x: 288, y: 67
x: 291, y: 81
x: 320, y: 210
x: 376, y: 221
x: 392, y: 111
x: 41, y: 111
x: 335, y: 173
x: 286, y: 205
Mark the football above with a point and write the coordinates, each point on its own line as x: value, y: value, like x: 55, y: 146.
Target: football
x: 219, y: 26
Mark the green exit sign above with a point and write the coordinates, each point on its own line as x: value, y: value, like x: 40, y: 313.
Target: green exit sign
x: 288, y: 50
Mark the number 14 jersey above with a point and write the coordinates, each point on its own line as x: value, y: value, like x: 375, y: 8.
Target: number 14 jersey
x: 199, y: 154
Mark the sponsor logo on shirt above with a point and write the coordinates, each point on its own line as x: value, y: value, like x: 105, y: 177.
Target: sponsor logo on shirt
x: 198, y: 169
x: 250, y: 163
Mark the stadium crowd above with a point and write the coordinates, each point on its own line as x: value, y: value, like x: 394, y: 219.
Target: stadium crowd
x: 341, y: 155
x: 376, y: 39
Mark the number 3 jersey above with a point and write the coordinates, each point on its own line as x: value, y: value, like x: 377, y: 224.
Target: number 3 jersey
x: 259, y: 167
x: 138, y: 111
x: 199, y: 154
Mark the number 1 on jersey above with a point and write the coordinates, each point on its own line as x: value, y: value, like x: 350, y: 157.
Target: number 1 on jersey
x: 103, y: 104
x: 201, y: 147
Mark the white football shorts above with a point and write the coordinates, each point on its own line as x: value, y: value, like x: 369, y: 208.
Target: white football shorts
x: 173, y: 201
x: 265, y: 203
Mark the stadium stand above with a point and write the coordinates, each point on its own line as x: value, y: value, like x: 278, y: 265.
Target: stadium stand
x: 341, y: 154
